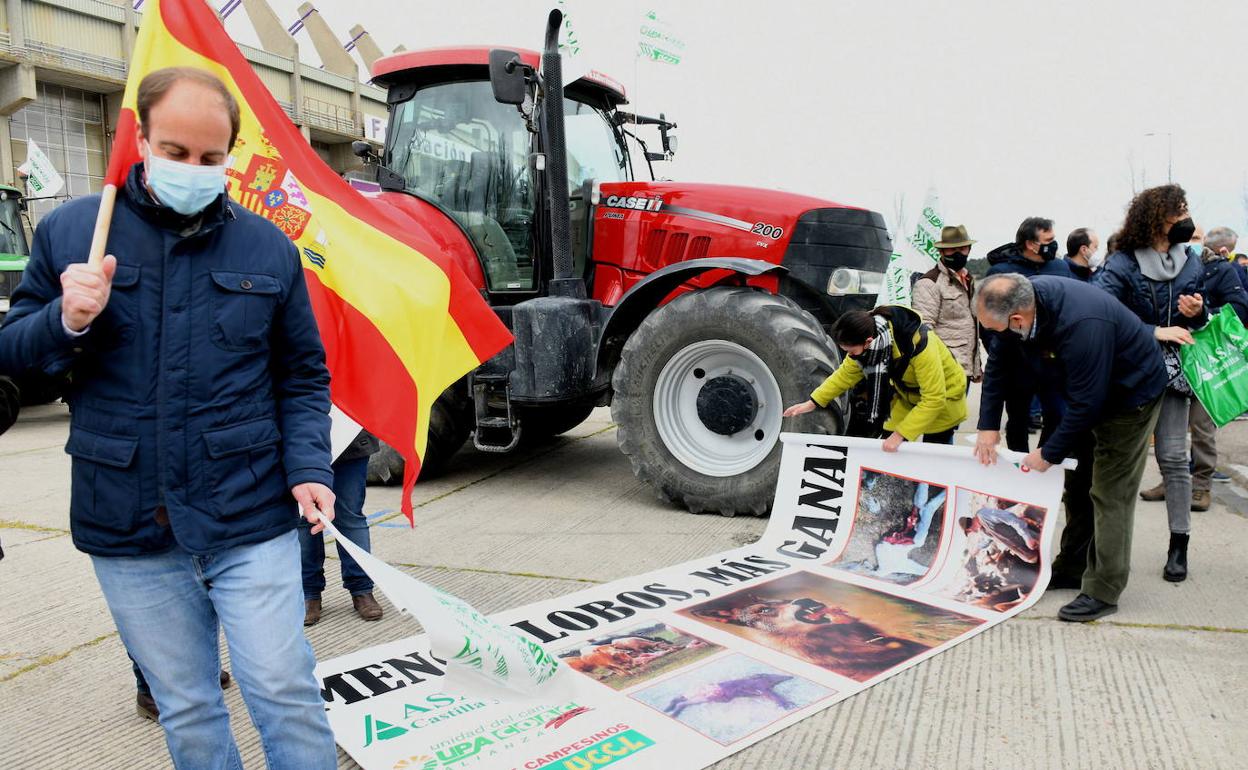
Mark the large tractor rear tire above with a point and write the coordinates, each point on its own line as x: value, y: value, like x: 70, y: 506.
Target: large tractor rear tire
x: 699, y: 392
x: 450, y: 424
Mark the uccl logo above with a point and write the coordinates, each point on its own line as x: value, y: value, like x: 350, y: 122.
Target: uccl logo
x: 608, y: 752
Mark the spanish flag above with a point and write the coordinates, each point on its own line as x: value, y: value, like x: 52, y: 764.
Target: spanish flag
x: 399, y: 320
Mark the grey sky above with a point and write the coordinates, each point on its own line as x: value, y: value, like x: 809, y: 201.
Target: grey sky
x: 1007, y: 109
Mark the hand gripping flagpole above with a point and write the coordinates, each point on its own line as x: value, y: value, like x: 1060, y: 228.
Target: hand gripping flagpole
x: 103, y: 221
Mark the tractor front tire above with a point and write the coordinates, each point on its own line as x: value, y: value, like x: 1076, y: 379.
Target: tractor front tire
x: 699, y: 391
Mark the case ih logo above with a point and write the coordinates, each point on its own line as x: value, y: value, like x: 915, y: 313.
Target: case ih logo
x: 635, y: 203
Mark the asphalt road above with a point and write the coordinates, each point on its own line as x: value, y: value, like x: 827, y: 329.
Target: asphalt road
x: 1159, y: 685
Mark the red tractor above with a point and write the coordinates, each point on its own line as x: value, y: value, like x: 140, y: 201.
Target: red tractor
x: 696, y: 311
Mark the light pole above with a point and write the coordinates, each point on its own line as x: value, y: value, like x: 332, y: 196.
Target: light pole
x: 1169, y: 153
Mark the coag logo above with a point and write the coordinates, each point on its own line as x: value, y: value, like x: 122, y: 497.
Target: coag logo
x: 563, y: 718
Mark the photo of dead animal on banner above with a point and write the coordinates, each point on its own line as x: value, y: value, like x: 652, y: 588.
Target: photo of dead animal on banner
x: 849, y: 630
x: 731, y: 697
x: 896, y: 529
x: 636, y: 655
x: 994, y: 556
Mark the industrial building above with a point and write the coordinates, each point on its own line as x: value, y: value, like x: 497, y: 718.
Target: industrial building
x: 63, y: 70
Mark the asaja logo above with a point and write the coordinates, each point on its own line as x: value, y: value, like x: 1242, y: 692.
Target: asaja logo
x: 436, y: 708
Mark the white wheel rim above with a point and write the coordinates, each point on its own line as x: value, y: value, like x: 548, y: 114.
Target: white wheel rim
x: 676, y: 411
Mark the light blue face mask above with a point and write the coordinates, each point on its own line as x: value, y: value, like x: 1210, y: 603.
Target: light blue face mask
x: 184, y: 187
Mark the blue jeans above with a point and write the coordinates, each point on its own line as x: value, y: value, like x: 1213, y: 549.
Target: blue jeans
x: 350, y: 482
x: 167, y: 608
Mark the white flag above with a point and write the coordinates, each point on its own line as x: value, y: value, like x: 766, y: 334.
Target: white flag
x: 42, y: 179
x: 913, y: 252
x: 483, y: 654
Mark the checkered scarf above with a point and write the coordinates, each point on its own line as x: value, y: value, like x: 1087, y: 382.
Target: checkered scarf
x: 874, y: 361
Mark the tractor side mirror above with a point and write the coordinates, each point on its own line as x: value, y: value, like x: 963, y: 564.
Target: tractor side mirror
x: 364, y: 151
x: 508, y: 77
x: 668, y: 141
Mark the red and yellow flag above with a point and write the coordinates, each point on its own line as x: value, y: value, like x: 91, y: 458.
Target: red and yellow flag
x: 399, y: 320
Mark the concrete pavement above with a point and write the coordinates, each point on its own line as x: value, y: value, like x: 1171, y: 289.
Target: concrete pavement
x: 1159, y: 685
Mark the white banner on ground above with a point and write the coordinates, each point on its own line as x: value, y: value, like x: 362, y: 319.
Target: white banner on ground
x: 42, y: 179
x: 871, y: 563
x: 915, y: 253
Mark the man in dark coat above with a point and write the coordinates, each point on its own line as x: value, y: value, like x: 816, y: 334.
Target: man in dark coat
x: 1112, y: 375
x: 199, y: 401
x: 1032, y: 253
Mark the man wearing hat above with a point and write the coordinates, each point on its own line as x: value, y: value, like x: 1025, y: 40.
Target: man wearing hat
x: 942, y: 296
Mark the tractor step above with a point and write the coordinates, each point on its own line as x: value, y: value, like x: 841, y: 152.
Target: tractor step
x: 498, y: 429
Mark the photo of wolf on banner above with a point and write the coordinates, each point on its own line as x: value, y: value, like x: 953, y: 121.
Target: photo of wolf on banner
x: 849, y: 630
x: 897, y: 528
x: 994, y: 559
x: 636, y: 654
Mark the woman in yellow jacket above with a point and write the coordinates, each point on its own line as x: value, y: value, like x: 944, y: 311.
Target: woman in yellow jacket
x: 897, y: 353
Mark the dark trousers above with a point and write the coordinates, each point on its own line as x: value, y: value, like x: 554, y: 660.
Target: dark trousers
x: 1204, y: 446
x: 350, y: 483
x: 1117, y: 466
x: 944, y: 437
x: 1072, y: 559
x: 1018, y: 418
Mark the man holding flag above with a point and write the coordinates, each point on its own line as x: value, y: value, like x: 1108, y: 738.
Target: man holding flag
x: 199, y: 403
x: 200, y: 385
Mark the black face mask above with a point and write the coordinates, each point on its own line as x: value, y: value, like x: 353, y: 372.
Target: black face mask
x: 1048, y: 251
x: 1182, y: 231
x: 955, y: 261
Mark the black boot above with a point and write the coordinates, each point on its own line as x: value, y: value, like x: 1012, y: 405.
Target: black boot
x: 1176, y: 559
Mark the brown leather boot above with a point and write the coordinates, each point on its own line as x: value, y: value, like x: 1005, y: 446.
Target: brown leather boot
x: 1201, y: 499
x: 311, y: 612
x: 1153, y: 495
x: 367, y: 607
x: 145, y: 704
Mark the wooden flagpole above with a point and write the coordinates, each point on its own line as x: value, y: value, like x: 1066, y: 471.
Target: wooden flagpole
x: 103, y: 220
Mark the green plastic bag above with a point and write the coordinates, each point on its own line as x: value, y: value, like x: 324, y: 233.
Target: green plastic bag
x: 1216, y: 366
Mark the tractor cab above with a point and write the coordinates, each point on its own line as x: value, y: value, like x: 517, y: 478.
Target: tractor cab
x: 451, y: 143
x: 14, y: 248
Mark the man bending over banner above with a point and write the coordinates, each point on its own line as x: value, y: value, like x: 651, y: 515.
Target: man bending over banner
x: 1112, y: 374
x: 200, y: 400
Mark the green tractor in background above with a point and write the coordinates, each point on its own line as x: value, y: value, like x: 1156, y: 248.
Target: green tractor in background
x: 14, y: 249
x: 14, y: 254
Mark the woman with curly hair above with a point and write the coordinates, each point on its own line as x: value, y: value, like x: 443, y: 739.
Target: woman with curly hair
x: 1159, y: 275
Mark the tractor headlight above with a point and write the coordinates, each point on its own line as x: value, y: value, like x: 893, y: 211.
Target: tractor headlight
x: 847, y: 280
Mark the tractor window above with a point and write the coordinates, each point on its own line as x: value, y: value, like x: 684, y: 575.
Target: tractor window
x: 594, y: 155
x: 12, y: 236
x: 594, y: 152
x: 454, y: 144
